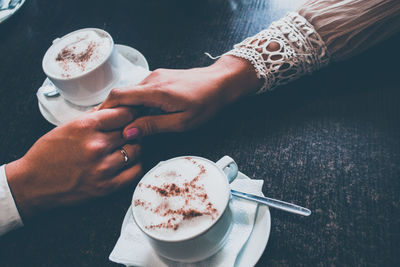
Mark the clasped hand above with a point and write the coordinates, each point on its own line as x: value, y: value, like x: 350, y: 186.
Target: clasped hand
x: 188, y: 97
x: 74, y: 162
x: 83, y: 159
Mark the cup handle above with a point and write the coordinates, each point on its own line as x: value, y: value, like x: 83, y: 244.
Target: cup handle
x: 56, y: 40
x: 229, y: 167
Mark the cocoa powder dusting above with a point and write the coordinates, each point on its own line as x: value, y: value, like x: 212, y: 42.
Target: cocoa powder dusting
x: 66, y: 55
x: 169, y: 174
x: 191, y: 214
x: 163, y: 225
x: 190, y: 191
x: 169, y: 190
x: 144, y: 204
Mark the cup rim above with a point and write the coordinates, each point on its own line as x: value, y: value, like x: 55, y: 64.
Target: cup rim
x: 101, y: 63
x: 192, y: 236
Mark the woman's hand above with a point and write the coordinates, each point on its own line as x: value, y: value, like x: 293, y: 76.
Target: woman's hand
x: 188, y: 97
x: 74, y: 162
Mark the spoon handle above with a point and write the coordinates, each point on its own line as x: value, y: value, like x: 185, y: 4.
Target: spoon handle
x: 273, y: 203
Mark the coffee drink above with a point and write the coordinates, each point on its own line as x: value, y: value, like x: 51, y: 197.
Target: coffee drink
x: 83, y: 65
x: 180, y: 198
x: 182, y: 207
x: 77, y: 53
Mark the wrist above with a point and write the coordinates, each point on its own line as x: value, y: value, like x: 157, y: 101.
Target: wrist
x: 237, y: 77
x: 18, y: 178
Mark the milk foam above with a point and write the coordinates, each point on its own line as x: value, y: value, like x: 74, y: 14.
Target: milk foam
x: 180, y: 198
x: 77, y: 53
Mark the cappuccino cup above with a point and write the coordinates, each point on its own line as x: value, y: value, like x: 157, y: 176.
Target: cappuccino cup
x: 83, y: 65
x: 182, y: 207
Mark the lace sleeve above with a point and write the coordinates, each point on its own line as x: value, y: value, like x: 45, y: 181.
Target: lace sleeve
x: 287, y: 50
x: 321, y: 31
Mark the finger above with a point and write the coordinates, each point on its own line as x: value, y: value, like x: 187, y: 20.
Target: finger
x: 149, y: 95
x: 112, y: 119
x: 149, y: 78
x: 95, y: 108
x: 158, y: 75
x: 116, y: 160
x: 149, y: 125
x: 127, y: 176
x: 114, y: 139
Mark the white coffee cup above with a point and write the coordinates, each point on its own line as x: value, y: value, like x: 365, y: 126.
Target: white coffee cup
x: 87, y: 87
x: 186, y: 246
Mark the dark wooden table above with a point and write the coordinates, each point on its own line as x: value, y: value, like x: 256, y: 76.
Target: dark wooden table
x: 330, y: 142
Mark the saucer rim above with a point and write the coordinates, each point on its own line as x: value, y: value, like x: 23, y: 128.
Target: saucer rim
x: 123, y: 50
x: 48, y: 116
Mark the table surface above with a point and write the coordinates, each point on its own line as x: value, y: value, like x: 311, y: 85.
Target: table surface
x: 330, y: 141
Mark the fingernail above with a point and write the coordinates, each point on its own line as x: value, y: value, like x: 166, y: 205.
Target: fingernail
x: 132, y: 133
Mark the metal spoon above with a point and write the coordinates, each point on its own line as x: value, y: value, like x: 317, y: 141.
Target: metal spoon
x: 4, y: 4
x: 273, y: 203
x: 8, y: 4
x: 50, y: 91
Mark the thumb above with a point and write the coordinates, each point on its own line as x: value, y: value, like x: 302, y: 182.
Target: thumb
x: 149, y: 125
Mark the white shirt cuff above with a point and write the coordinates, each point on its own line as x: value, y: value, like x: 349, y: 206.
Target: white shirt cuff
x: 9, y: 215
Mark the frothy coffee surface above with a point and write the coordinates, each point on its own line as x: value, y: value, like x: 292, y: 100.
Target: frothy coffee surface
x: 78, y: 53
x: 180, y: 198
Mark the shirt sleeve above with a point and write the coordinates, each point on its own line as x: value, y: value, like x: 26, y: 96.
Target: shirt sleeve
x: 320, y: 31
x: 9, y: 215
x: 349, y: 27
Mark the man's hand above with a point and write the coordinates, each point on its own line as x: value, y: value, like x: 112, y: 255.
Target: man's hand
x: 74, y: 162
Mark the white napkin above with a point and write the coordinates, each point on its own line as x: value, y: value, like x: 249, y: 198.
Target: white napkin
x: 64, y: 111
x: 132, y: 248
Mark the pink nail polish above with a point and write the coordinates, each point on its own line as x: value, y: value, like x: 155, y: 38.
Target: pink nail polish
x: 132, y: 133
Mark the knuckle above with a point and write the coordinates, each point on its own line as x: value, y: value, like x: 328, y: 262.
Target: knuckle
x: 96, y: 148
x: 161, y: 88
x: 103, y: 170
x: 164, y: 91
x: 89, y: 122
x: 127, y: 113
x: 114, y: 94
x: 158, y: 72
x: 149, y: 127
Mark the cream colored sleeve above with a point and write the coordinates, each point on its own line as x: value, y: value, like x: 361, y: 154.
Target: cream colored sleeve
x: 351, y: 26
x: 320, y: 31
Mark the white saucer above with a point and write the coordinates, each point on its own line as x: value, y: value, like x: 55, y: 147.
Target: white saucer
x: 252, y: 251
x: 5, y: 14
x: 130, y: 53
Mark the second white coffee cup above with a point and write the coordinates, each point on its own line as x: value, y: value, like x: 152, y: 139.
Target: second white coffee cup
x: 185, y: 192
x: 89, y: 68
